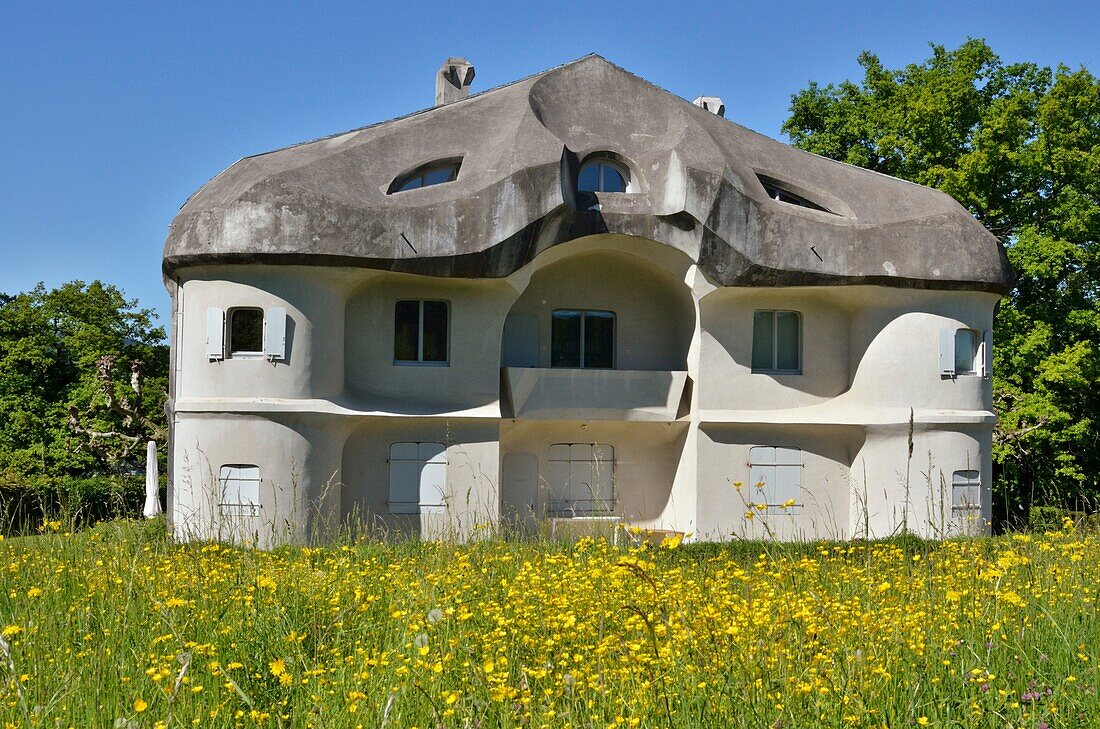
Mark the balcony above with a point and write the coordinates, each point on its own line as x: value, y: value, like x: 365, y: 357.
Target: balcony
x: 534, y: 393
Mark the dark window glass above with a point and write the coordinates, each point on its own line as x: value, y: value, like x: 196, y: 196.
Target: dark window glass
x: 565, y: 339
x: 612, y: 179
x: 786, y: 340
x: 763, y: 340
x: 406, y: 331
x: 426, y: 177
x: 435, y: 331
x: 420, y: 331
x: 246, y: 331
x: 589, y: 179
x: 582, y: 339
x: 599, y: 339
x: 776, y: 341
x: 601, y: 176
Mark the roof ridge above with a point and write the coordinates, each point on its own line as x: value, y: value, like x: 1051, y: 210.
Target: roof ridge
x: 432, y: 108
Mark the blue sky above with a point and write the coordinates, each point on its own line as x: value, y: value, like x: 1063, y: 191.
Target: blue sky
x: 113, y: 113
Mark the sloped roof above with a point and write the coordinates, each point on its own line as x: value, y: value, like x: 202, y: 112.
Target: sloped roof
x: 698, y: 180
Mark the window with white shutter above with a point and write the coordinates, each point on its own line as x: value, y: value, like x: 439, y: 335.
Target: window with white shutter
x: 418, y: 478
x: 775, y: 479
x: 581, y: 479
x: 240, y: 489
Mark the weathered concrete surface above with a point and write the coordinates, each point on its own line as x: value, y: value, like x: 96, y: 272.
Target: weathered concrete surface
x: 325, y: 202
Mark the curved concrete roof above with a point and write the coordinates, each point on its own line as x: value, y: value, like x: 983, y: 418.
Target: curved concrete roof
x: 697, y: 179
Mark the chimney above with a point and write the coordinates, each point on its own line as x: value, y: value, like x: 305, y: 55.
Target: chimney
x: 712, y: 104
x: 452, y: 83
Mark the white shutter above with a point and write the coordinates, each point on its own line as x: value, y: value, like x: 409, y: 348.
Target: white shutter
x: 404, y: 479
x: 947, y: 352
x: 987, y: 353
x: 215, y: 333
x: 433, y: 475
x: 275, y: 333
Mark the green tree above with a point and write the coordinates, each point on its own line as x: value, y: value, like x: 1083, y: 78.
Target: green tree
x: 1019, y: 146
x: 83, y: 379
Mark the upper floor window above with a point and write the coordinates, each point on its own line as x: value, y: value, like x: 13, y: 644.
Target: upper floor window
x: 777, y: 342
x: 246, y: 332
x: 581, y: 479
x: 240, y: 489
x: 582, y: 338
x: 965, y: 352
x: 775, y: 478
x: 966, y: 491
x: 418, y: 478
x: 420, y: 332
x: 603, y: 175
x: 434, y: 173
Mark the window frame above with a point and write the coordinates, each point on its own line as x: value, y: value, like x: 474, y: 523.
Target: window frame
x: 775, y: 465
x: 238, y: 508
x: 774, y: 369
x: 249, y: 354
x: 975, y: 354
x: 417, y: 507
x: 420, y: 362
x: 567, y: 508
x: 614, y: 339
x: 603, y: 160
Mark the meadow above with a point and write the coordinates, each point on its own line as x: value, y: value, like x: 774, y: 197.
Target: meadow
x: 117, y: 626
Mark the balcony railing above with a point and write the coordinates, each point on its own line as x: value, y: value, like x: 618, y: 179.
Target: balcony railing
x: 592, y: 394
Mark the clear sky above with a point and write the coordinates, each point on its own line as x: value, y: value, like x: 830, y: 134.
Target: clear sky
x: 111, y: 114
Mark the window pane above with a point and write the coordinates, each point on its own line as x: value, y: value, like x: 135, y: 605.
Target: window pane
x: 965, y: 349
x: 565, y: 339
x: 412, y: 184
x: 786, y: 333
x: 437, y: 176
x: 406, y: 331
x: 435, y: 331
x: 612, y: 179
x: 589, y: 178
x: 763, y: 340
x: 599, y: 339
x: 246, y: 330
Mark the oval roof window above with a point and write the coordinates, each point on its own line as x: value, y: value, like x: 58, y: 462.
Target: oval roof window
x: 780, y: 194
x: 433, y: 173
x: 603, y: 175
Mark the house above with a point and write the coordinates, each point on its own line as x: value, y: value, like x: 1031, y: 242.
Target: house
x: 576, y: 300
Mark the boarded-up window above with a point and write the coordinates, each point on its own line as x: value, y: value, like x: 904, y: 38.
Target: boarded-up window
x: 775, y: 478
x: 418, y: 478
x: 240, y: 489
x: 966, y: 491
x: 581, y: 479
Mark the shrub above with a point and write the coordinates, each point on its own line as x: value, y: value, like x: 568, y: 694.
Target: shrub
x: 74, y: 501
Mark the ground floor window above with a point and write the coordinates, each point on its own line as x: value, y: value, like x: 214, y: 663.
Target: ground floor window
x: 966, y: 491
x: 418, y: 478
x: 775, y: 479
x: 581, y: 479
x: 240, y: 489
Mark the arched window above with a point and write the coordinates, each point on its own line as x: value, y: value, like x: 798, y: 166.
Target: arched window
x: 603, y: 175
x: 433, y: 173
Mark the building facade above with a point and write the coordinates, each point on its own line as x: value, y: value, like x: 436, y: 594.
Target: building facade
x: 571, y: 302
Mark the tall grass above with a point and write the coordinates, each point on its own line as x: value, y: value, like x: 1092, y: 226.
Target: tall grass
x: 119, y: 627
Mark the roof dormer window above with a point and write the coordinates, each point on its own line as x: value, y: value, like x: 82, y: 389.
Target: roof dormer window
x: 433, y: 173
x: 602, y: 174
x: 780, y: 194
